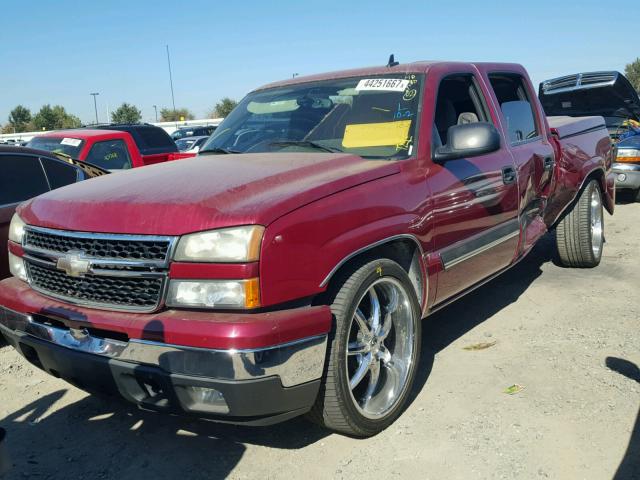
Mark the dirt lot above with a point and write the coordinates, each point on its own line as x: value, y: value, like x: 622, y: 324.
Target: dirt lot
x: 568, y: 336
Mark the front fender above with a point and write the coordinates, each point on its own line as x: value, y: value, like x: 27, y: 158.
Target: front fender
x: 301, y: 250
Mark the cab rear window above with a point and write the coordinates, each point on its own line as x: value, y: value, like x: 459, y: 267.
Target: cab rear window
x: 110, y: 155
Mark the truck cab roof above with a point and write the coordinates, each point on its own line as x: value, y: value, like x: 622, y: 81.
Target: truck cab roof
x: 404, y: 68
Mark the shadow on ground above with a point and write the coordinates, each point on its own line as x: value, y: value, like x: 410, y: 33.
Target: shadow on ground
x: 102, y: 438
x: 630, y: 466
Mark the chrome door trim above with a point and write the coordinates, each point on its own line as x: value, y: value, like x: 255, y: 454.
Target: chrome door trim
x: 480, y: 243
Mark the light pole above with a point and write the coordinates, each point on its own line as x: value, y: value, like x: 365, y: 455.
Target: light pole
x: 295, y: 75
x: 173, y: 100
x: 155, y: 107
x: 95, y: 105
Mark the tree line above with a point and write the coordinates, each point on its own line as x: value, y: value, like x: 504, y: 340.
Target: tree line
x: 56, y: 117
x: 632, y: 72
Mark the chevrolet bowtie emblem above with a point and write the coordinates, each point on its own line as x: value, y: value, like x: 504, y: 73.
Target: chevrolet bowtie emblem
x: 80, y: 335
x: 74, y: 264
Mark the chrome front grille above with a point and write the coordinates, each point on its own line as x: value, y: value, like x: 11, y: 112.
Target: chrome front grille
x: 115, y: 272
x: 115, y: 248
x: 134, y: 292
x: 580, y: 81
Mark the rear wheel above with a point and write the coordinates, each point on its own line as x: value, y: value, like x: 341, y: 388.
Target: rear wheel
x: 373, y: 351
x: 636, y: 195
x: 580, y: 234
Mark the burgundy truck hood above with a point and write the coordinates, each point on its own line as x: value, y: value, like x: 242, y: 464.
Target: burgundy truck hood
x: 201, y: 193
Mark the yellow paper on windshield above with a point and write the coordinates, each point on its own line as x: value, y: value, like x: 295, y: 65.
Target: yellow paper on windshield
x: 376, y: 134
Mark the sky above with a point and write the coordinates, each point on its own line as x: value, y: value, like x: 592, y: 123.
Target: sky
x: 59, y: 52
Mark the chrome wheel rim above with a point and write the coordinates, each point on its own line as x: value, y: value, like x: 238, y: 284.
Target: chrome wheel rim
x: 596, y: 223
x: 380, y: 346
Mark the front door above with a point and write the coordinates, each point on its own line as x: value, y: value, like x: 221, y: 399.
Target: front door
x: 475, y: 200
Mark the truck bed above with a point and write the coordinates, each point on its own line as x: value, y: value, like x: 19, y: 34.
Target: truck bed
x: 584, y: 144
x: 564, y: 126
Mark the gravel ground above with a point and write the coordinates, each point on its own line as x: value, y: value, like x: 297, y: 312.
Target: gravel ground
x: 568, y: 336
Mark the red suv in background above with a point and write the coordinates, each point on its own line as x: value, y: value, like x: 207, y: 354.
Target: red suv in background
x: 113, y: 147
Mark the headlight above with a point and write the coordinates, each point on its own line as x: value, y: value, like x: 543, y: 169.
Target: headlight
x: 628, y: 155
x: 16, y: 229
x: 214, y: 293
x: 16, y: 267
x: 237, y: 244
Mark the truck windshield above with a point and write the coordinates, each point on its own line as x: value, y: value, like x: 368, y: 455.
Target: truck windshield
x: 372, y: 116
x: 67, y: 145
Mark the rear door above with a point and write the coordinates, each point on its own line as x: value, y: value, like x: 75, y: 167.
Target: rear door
x: 475, y: 200
x: 525, y: 131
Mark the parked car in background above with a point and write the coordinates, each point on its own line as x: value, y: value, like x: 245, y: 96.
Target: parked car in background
x: 113, y: 147
x: 627, y: 166
x: 287, y: 268
x: 193, y: 132
x: 190, y: 144
x: 610, y: 95
x: 26, y: 173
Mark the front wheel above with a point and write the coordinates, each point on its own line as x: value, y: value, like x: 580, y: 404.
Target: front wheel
x: 580, y: 234
x: 373, y: 352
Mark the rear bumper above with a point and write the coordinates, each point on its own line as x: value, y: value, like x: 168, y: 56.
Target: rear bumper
x: 627, y: 176
x: 259, y: 386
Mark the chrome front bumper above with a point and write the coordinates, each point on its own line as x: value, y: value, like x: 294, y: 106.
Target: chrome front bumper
x: 295, y: 363
x: 627, y: 175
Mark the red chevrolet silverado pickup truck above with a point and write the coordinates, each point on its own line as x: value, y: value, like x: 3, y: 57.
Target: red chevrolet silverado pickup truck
x: 286, y: 269
x: 113, y: 147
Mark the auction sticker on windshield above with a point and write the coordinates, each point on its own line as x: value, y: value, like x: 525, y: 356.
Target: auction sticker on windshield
x: 74, y: 142
x: 384, y: 84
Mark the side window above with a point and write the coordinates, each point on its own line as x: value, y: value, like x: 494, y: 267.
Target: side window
x: 21, y: 178
x: 459, y: 102
x: 59, y: 173
x: 515, y: 103
x: 111, y: 155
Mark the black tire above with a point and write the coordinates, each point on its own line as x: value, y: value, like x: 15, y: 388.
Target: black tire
x: 335, y: 406
x: 636, y: 196
x: 578, y: 241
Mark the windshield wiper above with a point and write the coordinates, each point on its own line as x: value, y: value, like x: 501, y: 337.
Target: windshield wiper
x: 307, y: 143
x: 218, y: 150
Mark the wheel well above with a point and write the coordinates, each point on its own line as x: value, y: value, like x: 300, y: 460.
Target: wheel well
x: 597, y: 175
x: 404, y: 251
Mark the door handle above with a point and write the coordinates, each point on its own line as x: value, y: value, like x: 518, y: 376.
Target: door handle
x: 509, y: 175
x: 548, y: 163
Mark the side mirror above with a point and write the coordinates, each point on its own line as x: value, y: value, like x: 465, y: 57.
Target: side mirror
x: 468, y: 140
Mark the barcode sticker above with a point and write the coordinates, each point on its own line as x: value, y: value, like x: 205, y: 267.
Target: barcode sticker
x: 74, y: 142
x: 384, y: 84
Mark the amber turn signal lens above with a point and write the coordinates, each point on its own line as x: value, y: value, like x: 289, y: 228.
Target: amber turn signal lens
x: 252, y: 293
x: 628, y: 159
